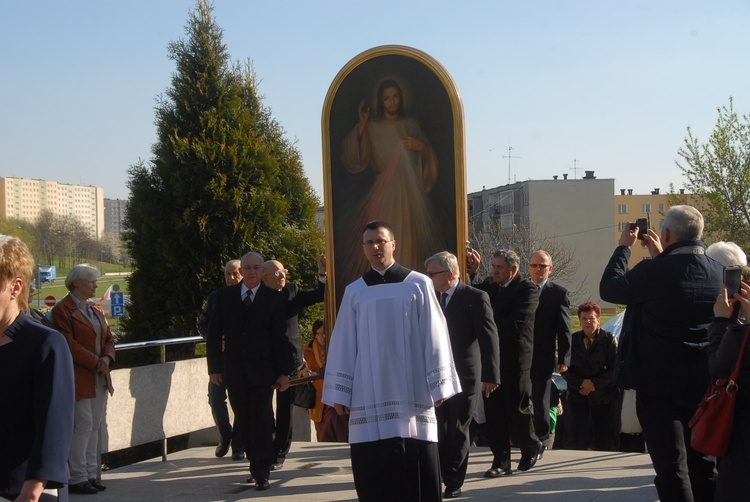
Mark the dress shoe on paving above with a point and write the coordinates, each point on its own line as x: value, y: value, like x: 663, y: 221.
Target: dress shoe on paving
x: 496, y: 472
x: 221, y: 450
x: 451, y: 493
x: 527, y: 463
x: 238, y: 455
x: 96, y: 484
x: 541, y: 453
x: 262, y: 484
x: 278, y: 464
x: 250, y: 480
x: 83, y: 488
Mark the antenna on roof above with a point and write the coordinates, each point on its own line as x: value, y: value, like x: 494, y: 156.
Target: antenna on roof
x: 509, y: 156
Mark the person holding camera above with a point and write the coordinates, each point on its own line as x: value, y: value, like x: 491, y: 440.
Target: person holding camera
x: 661, y: 354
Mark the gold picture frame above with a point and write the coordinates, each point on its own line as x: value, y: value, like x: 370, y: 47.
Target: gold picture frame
x: 413, y: 172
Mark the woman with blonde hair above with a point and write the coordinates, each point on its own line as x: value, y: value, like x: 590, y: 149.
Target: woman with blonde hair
x: 93, y: 349
x: 36, y: 387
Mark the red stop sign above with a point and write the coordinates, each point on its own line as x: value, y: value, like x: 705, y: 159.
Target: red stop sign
x: 50, y: 301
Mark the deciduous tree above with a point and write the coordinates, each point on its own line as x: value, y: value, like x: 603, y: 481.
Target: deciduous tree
x: 719, y: 173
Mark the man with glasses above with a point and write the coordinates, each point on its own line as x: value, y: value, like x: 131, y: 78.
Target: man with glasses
x: 274, y: 276
x: 251, y: 317
x: 474, y: 343
x: 551, y: 338
x: 389, y: 365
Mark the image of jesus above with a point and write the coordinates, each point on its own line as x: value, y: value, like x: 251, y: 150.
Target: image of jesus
x: 405, y: 165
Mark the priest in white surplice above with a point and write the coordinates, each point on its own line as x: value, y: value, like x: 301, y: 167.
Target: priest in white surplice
x: 389, y: 364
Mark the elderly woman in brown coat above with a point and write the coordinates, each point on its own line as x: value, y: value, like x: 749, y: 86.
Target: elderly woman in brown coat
x: 93, y: 349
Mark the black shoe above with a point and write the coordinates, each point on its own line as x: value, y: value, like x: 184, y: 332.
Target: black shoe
x: 544, y: 448
x: 262, y: 484
x: 527, y: 463
x: 278, y: 464
x: 451, y: 493
x: 221, y: 449
x: 83, y: 488
x: 251, y: 479
x: 496, y: 472
x: 238, y: 455
x: 96, y: 484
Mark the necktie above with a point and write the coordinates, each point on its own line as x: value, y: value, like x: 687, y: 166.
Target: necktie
x: 248, y: 298
x: 443, y: 300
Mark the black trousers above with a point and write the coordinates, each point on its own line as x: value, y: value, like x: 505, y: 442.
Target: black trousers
x: 508, y: 413
x: 229, y: 432
x: 454, y: 420
x: 541, y: 386
x: 592, y: 426
x: 682, y: 474
x: 396, y: 469
x: 253, y: 405
x: 282, y: 441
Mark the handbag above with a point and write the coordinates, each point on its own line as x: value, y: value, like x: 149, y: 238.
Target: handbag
x: 304, y: 395
x: 713, y: 420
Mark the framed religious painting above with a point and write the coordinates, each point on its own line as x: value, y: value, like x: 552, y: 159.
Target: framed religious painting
x: 393, y: 150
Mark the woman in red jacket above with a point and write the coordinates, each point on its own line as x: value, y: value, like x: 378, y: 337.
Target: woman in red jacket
x: 93, y: 349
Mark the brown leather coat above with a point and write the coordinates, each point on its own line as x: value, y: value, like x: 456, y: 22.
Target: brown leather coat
x: 81, y: 336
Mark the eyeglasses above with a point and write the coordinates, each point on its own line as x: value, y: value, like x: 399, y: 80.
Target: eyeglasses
x: 279, y: 273
x: 379, y: 242
x: 539, y: 265
x: 432, y: 274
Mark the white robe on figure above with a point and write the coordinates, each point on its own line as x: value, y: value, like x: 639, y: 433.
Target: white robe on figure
x: 390, y: 360
x: 399, y: 194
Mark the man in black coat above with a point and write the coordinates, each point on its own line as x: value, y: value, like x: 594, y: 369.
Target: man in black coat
x: 252, y: 319
x: 662, y: 349
x: 551, y: 339
x: 508, y: 410
x: 274, y: 276
x: 476, y: 355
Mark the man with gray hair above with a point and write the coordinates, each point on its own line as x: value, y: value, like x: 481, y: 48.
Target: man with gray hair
x: 473, y: 336
x: 662, y: 348
x: 251, y: 318
x: 514, y: 301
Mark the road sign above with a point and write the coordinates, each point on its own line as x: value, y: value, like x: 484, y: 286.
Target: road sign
x: 118, y: 310
x: 50, y: 301
x: 117, y: 299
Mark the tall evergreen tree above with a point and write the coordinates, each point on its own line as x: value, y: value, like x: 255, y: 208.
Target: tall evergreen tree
x: 223, y: 180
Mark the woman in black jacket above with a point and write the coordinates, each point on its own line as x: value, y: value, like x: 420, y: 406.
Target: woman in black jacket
x: 591, y: 393
x: 725, y: 339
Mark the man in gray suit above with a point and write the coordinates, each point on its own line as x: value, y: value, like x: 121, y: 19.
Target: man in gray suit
x: 474, y: 343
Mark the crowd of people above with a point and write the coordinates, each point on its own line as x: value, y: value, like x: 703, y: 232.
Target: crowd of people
x: 413, y: 363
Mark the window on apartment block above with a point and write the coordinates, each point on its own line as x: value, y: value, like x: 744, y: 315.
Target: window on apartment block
x: 622, y: 208
x: 646, y: 208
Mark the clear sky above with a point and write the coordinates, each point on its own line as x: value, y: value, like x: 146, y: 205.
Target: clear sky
x: 611, y: 84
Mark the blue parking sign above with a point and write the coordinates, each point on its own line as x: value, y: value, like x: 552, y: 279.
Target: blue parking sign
x: 117, y: 300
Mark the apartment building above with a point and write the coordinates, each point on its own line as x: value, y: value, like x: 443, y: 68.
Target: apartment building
x: 114, y: 215
x: 25, y: 199
x: 630, y: 206
x: 574, y: 211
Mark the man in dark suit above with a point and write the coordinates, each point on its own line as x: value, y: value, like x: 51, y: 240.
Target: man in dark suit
x: 252, y: 319
x: 274, y: 276
x: 474, y: 343
x: 551, y: 339
x: 508, y: 411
